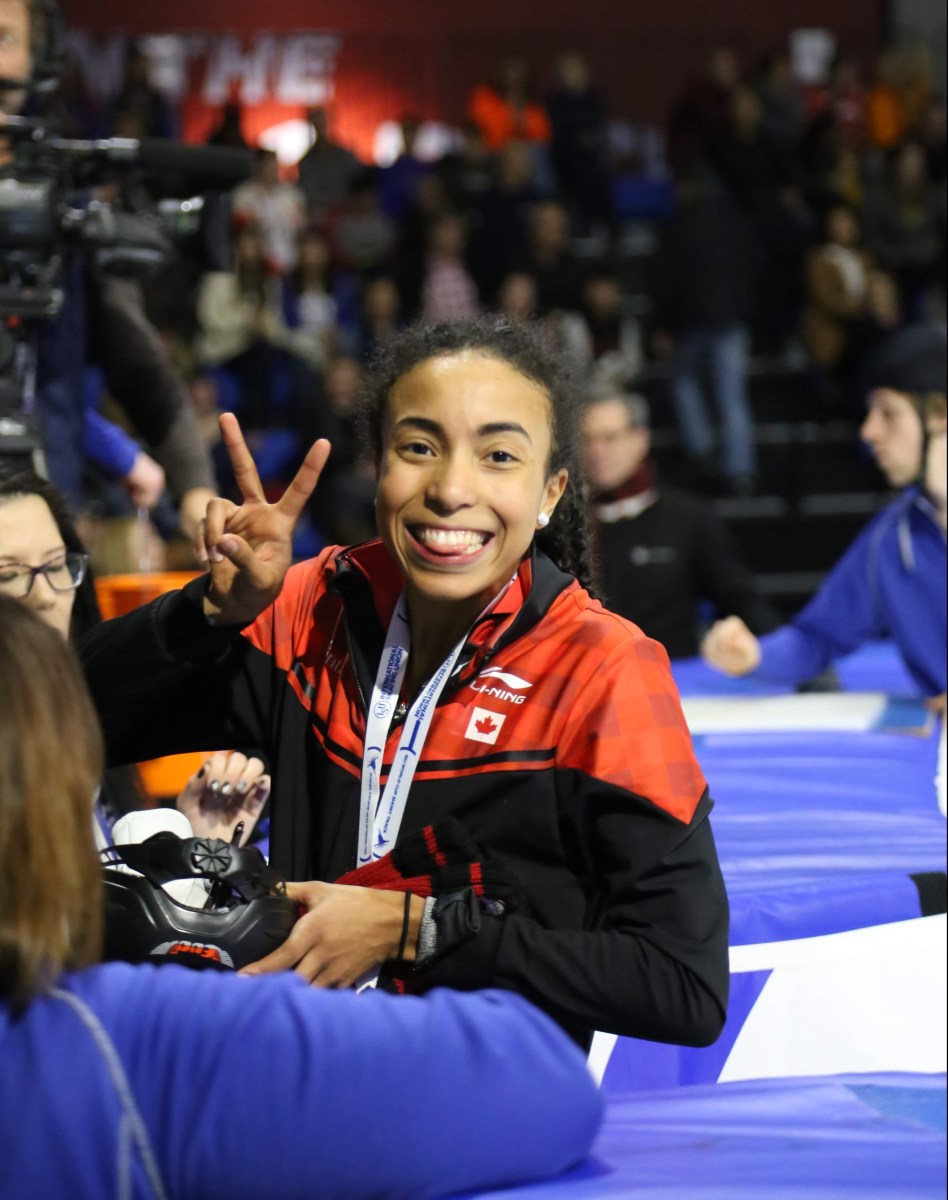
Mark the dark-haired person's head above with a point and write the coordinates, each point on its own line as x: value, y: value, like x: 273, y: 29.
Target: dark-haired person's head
x: 602, y: 292
x: 43, y: 562
x: 487, y: 394
x: 842, y: 226
x: 50, y: 766
x: 905, y: 384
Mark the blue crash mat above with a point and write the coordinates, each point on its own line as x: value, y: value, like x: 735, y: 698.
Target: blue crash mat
x: 858, y: 1137
x: 819, y: 833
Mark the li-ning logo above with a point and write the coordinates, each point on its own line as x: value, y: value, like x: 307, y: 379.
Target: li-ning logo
x: 512, y: 685
x: 182, y: 949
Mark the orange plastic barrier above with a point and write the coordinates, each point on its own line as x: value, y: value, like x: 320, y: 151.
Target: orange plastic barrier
x: 119, y: 594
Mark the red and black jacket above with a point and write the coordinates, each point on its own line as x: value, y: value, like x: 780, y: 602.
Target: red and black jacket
x: 576, y: 771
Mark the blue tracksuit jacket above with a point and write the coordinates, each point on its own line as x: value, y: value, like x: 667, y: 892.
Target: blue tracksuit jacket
x: 890, y: 583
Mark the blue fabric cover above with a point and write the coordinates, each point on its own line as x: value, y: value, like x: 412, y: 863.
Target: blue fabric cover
x: 860, y: 1137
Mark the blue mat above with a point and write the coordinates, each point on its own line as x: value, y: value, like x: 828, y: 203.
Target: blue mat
x: 818, y: 834
x: 863, y: 1137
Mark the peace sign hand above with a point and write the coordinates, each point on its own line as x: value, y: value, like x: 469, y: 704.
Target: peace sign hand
x: 249, y: 547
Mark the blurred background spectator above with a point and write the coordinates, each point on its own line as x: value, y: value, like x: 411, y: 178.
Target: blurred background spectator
x: 326, y: 170
x: 276, y: 207
x: 704, y: 297
x: 508, y: 110
x: 667, y: 563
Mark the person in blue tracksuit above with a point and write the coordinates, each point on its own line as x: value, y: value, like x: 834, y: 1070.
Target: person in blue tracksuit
x: 140, y: 1081
x: 891, y: 581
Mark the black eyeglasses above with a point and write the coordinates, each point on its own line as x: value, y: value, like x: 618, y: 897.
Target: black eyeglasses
x: 63, y: 575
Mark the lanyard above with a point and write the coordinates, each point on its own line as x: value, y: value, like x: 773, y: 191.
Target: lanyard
x: 381, y: 816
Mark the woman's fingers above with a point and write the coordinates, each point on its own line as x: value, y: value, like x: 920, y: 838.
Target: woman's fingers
x: 245, y: 470
x: 237, y: 550
x: 257, y: 796
x: 215, y: 522
x: 232, y: 774
x: 293, y: 500
x: 213, y: 770
x: 200, y: 541
x: 247, y: 774
x: 298, y: 945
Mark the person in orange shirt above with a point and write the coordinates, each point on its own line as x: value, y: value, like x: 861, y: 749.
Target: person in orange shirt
x: 506, y: 111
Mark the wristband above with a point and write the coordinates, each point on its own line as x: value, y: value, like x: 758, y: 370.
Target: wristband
x: 427, y: 934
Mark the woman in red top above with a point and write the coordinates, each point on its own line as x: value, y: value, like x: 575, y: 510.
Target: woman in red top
x: 507, y: 112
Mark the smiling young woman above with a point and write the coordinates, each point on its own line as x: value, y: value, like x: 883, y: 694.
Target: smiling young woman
x: 449, y: 712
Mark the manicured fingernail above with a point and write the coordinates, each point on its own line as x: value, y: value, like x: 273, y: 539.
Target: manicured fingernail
x: 228, y: 546
x: 201, y: 773
x: 214, y: 786
x: 242, y: 787
x: 226, y: 789
x: 214, y: 555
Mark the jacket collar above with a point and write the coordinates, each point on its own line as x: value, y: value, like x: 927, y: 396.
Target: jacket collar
x: 915, y: 510
x: 369, y: 582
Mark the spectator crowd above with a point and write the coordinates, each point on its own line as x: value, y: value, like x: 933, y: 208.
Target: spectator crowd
x: 777, y: 219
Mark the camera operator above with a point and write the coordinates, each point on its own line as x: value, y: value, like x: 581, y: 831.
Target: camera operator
x: 102, y: 317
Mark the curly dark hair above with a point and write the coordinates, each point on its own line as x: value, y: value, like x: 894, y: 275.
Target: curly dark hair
x: 566, y: 540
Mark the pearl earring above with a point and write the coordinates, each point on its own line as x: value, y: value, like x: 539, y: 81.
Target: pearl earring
x: 543, y: 520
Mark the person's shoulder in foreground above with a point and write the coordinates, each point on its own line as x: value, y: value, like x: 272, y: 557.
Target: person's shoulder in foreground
x: 235, y: 1088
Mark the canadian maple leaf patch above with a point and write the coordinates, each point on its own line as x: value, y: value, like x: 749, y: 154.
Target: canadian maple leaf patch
x: 484, y: 725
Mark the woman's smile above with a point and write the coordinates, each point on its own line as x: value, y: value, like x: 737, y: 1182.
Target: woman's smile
x: 448, y: 545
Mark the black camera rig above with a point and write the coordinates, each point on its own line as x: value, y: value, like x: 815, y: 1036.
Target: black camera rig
x: 126, y: 204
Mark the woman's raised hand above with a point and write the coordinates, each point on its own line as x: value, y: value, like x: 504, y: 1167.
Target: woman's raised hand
x: 229, y: 788
x: 248, y: 547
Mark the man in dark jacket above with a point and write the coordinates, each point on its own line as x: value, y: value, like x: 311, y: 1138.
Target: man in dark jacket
x: 662, y: 551
x: 704, y: 296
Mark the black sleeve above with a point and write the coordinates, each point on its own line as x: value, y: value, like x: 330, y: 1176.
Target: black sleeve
x: 723, y: 577
x: 164, y: 681
x: 654, y: 964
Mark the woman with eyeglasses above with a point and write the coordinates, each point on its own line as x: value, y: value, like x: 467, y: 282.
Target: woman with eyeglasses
x: 44, y: 565
x: 42, y: 561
